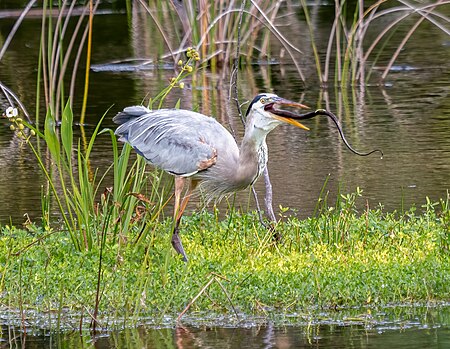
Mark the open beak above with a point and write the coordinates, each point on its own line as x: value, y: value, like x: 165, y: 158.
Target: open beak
x: 286, y: 115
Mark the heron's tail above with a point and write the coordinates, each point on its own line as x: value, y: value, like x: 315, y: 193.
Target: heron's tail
x: 130, y: 113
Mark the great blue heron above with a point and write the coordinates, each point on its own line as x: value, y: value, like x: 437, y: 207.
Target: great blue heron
x: 201, y: 153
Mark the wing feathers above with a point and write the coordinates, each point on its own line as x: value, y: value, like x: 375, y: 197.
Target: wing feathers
x: 178, y: 141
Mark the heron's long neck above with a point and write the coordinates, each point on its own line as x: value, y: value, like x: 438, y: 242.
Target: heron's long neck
x: 252, y: 155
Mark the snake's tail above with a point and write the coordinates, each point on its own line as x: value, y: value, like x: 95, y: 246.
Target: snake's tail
x: 338, y: 125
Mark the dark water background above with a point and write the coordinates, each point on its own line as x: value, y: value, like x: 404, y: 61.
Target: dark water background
x: 408, y: 116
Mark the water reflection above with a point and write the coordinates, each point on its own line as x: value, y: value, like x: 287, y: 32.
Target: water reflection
x: 408, y: 119
x: 398, y: 327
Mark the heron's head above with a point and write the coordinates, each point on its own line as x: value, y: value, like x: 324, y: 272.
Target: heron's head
x: 265, y: 113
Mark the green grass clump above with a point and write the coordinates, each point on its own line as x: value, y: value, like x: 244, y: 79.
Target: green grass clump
x: 375, y: 258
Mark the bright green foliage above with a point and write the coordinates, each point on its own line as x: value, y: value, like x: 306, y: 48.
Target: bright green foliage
x: 380, y: 258
x: 67, y: 132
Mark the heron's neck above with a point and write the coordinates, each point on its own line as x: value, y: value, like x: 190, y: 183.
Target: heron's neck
x: 252, y: 154
x: 254, y: 139
x: 255, y: 136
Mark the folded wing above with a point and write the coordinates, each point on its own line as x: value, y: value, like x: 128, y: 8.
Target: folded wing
x: 180, y: 142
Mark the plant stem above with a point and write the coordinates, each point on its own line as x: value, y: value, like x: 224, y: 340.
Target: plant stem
x: 88, y: 63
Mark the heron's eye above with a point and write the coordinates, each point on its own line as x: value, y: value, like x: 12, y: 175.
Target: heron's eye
x: 263, y: 100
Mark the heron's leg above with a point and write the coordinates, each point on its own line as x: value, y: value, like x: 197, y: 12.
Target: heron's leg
x: 184, y: 203
x: 177, y: 214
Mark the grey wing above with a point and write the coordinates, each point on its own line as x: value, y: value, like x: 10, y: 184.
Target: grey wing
x: 178, y: 141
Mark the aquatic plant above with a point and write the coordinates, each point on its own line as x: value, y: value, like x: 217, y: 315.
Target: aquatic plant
x: 353, y: 48
x: 74, y: 185
x: 212, y: 29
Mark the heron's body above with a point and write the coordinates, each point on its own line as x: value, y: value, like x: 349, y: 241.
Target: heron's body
x: 189, y: 144
x: 197, y: 149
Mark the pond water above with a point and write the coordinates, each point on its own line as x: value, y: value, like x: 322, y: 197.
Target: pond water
x: 393, y: 327
x: 408, y: 116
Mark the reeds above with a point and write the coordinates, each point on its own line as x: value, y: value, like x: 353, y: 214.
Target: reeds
x: 348, y: 50
x: 76, y: 187
x: 211, y: 28
x: 349, y: 58
x: 61, y: 51
x: 89, y: 210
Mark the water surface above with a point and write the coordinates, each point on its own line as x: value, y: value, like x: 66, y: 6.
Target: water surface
x: 408, y: 117
x: 392, y: 327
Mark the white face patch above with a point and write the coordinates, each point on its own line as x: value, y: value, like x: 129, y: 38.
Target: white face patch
x: 264, y: 120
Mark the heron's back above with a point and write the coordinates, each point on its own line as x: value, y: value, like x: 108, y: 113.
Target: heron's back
x: 177, y: 141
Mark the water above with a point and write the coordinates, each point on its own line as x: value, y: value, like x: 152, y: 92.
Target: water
x: 354, y: 336
x: 407, y: 117
x: 393, y: 327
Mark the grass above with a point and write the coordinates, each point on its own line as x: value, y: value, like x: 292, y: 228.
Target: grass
x: 339, y: 258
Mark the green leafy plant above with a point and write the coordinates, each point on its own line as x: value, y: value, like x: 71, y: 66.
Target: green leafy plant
x: 382, y: 258
x: 129, y: 206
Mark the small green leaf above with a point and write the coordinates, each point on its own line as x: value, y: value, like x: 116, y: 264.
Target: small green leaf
x: 67, y: 131
x: 50, y: 136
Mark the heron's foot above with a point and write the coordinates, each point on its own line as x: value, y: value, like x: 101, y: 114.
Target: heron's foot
x: 276, y: 235
x: 177, y: 245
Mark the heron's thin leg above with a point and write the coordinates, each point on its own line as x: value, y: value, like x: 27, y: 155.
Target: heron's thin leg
x: 179, y: 185
x: 177, y: 213
x: 184, y: 202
